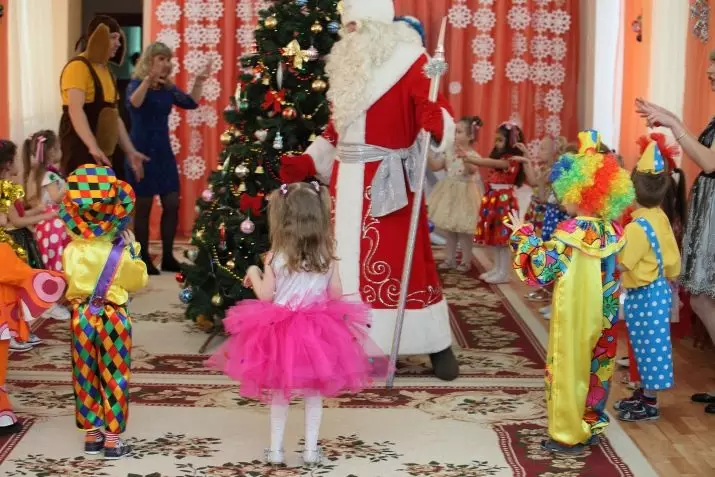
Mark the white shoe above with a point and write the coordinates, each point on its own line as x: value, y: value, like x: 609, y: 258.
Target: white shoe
x: 464, y: 267
x: 19, y: 347
x: 544, y: 310
x: 498, y: 279
x: 58, y: 312
x: 437, y: 240
x: 34, y: 340
x: 275, y: 457
x: 446, y: 266
x: 312, y: 457
x: 547, y: 316
x: 487, y: 275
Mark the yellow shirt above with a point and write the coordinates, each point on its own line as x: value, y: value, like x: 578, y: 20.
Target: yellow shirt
x: 78, y: 76
x: 84, y: 260
x: 639, y: 258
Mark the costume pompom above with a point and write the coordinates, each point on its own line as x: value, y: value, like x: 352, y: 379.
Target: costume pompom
x: 668, y: 151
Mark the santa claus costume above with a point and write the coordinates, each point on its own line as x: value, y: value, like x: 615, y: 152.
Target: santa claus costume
x: 369, y: 153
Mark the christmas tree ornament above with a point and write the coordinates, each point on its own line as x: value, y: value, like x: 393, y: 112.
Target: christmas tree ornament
x: 217, y: 300
x: 199, y: 234
x: 266, y: 81
x: 227, y: 137
x: 197, y: 209
x: 186, y: 295
x: 278, y: 142
x: 333, y: 27
x: 301, y: 3
x: 341, y: 7
x: 237, y: 93
x: 319, y: 85
x: 241, y: 171
x: 289, y: 113
x: 180, y: 277
x: 204, y: 323
x: 312, y: 53
x: 259, y: 170
x: 243, y: 105
x: 231, y: 108
x: 222, y: 236
x: 242, y: 187
x: 207, y: 195
x: 271, y: 22
x: 279, y: 74
x: 247, y: 226
x: 312, y: 137
x: 299, y: 56
x: 261, y: 134
x: 231, y: 265
x: 192, y: 254
x: 316, y: 27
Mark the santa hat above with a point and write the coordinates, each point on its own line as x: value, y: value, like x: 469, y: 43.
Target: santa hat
x: 375, y: 10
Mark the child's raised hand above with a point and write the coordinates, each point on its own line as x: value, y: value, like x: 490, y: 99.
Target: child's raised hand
x: 514, y: 222
x: 128, y: 237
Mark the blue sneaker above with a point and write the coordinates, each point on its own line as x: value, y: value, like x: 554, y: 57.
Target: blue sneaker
x: 94, y: 447
x: 118, y: 451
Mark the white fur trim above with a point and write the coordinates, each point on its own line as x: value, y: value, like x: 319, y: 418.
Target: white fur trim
x: 356, y: 131
x: 424, y: 331
x: 349, y: 190
x: 323, y: 154
x: 448, y: 132
x: 359, y: 10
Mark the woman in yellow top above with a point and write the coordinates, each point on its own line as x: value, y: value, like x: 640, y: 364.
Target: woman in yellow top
x: 103, y: 266
x: 91, y: 128
x: 649, y: 259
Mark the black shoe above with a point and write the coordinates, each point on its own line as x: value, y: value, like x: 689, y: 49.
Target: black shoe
x: 710, y: 408
x: 118, y: 451
x: 10, y: 430
x: 150, y: 268
x: 94, y: 447
x: 631, y: 402
x: 642, y: 412
x: 554, y: 447
x: 703, y: 398
x: 170, y: 264
x: 445, y: 365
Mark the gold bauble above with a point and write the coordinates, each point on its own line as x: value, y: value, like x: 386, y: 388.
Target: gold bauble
x: 259, y: 170
x: 319, y: 85
x: 217, y: 300
x: 230, y: 264
x: 204, y: 324
x: 227, y: 136
x: 242, y: 187
x: 316, y: 27
x: 271, y: 22
x: 266, y: 80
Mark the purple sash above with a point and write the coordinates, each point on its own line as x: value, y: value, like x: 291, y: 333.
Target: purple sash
x: 97, y: 300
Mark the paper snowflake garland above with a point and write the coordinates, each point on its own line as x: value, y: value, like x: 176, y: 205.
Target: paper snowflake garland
x: 700, y: 12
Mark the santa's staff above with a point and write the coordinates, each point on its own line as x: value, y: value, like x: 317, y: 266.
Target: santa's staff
x: 434, y: 69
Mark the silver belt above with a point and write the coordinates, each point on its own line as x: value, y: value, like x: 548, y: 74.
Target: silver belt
x: 388, y: 188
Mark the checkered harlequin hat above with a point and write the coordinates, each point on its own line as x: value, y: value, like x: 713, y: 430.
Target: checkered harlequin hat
x: 96, y: 202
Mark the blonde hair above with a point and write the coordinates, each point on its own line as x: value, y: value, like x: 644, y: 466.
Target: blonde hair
x: 144, y: 62
x: 300, y: 227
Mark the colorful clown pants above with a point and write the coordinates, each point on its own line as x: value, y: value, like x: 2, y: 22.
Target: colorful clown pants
x: 496, y: 205
x: 101, y: 362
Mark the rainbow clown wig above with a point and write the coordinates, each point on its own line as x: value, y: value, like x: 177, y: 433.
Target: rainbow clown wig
x: 592, y: 181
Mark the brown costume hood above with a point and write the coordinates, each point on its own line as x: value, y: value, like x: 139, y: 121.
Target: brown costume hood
x: 97, y: 48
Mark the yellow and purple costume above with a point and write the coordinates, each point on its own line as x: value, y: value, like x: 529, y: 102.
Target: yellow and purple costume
x: 581, y: 259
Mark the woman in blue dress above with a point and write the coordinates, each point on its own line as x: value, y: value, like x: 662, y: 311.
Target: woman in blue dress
x: 150, y: 97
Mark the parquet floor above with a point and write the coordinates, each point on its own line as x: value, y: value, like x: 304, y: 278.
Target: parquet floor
x: 682, y: 441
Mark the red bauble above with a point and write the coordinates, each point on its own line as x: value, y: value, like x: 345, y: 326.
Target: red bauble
x: 290, y: 113
x: 180, y: 277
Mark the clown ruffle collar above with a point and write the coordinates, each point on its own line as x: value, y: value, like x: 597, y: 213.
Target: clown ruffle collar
x: 595, y: 237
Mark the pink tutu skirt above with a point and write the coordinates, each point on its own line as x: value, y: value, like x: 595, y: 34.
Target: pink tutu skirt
x: 320, y: 349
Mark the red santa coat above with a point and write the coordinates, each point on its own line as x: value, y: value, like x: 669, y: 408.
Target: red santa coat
x: 372, y: 249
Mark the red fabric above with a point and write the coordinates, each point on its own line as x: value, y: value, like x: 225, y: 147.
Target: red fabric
x: 297, y: 168
x: 394, y: 122
x: 505, y: 176
x: 496, y: 205
x: 250, y: 203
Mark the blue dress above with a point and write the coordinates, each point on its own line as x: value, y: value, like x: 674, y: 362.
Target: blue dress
x: 150, y: 135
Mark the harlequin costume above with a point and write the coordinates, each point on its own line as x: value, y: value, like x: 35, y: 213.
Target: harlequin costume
x: 650, y: 258
x: 101, y: 272
x: 89, y: 72
x: 368, y: 153
x: 25, y: 294
x: 581, y: 260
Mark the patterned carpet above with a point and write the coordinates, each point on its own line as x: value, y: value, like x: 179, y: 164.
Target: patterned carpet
x: 187, y: 421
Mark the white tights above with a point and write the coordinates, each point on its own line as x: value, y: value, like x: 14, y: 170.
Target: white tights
x: 313, y: 415
x: 465, y: 243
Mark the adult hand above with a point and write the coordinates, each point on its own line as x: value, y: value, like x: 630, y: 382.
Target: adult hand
x: 136, y: 162
x: 656, y: 116
x: 99, y: 156
x: 514, y: 222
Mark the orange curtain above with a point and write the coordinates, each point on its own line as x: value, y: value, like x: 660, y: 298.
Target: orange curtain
x: 699, y: 104
x: 4, y: 71
x: 533, y: 48
x: 636, y: 77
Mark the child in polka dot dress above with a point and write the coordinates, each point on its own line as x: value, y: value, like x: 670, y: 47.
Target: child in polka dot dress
x: 44, y: 184
x: 648, y: 261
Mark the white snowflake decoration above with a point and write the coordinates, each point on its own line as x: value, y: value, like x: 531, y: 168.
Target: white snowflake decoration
x: 518, y: 18
x: 557, y: 74
x: 539, y: 126
x: 244, y: 10
x: 193, y: 9
x: 214, y: 10
x: 517, y: 70
x: 245, y: 35
x: 212, y: 89
x: 209, y: 115
x: 553, y: 125
x: 455, y: 87
x: 518, y: 2
x: 195, y: 118
x: 195, y: 35
x: 216, y: 60
x: 538, y: 98
x: 560, y: 22
x: 533, y: 147
x: 168, y: 12
x: 484, y: 19
x: 459, y: 16
x: 175, y: 144
x: 542, y: 3
x: 519, y: 44
x: 554, y: 100
x: 174, y: 119
x: 212, y: 35
x: 194, y: 167
x: 482, y: 72
x: 195, y: 60
x: 540, y: 73
x: 483, y: 45
x: 486, y: 2
x: 558, y: 49
x: 540, y: 47
x: 541, y: 21
x: 170, y: 38
x: 196, y: 142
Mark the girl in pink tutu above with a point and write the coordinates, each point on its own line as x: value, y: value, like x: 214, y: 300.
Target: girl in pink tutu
x: 300, y: 338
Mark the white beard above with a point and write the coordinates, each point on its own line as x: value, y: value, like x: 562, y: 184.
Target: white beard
x: 353, y: 60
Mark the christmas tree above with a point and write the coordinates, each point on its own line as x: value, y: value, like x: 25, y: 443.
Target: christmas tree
x: 279, y: 107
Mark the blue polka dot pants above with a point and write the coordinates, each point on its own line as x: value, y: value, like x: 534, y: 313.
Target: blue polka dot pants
x: 552, y: 217
x: 648, y: 312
